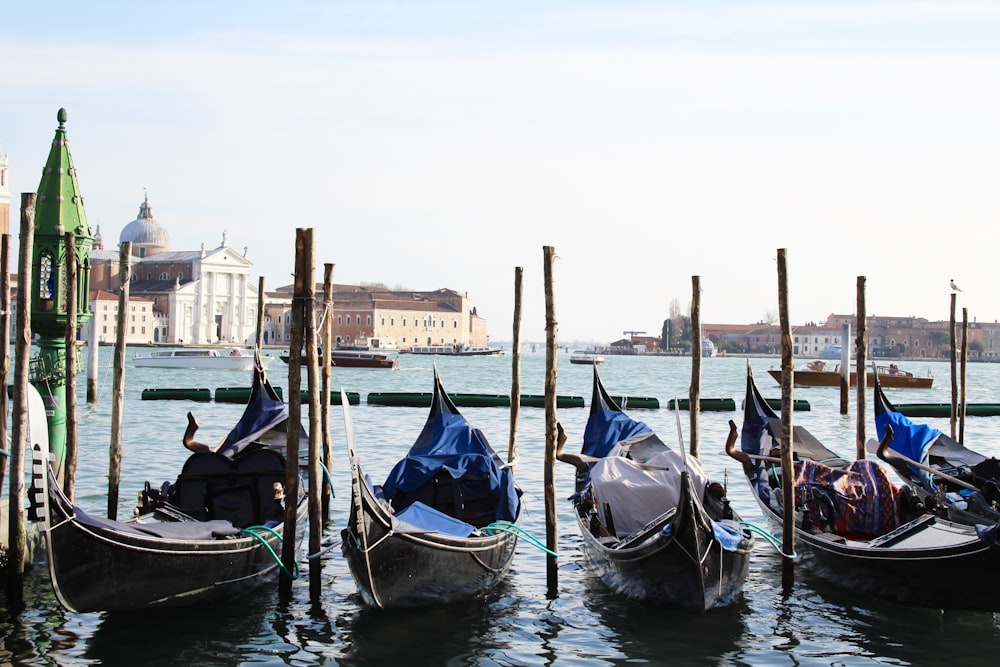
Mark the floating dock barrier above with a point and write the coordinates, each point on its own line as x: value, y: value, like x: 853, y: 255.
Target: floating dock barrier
x: 629, y: 402
x: 706, y: 404
x: 944, y: 409
x: 238, y: 394
x: 177, y: 394
x: 797, y: 404
x: 353, y: 397
x: 423, y: 400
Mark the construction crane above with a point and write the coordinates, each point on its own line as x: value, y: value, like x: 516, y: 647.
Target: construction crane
x: 632, y: 333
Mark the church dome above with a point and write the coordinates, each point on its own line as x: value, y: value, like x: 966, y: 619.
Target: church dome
x: 145, y: 233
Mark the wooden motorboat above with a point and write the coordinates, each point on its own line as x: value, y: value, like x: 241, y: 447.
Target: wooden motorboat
x: 819, y: 373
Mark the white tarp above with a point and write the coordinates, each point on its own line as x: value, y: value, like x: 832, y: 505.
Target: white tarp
x: 638, y: 491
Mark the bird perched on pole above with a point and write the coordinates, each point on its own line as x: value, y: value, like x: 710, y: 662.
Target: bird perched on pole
x: 954, y: 286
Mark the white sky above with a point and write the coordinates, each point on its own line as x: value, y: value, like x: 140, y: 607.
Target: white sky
x: 443, y: 144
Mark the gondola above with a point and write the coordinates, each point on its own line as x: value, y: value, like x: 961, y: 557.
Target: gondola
x: 654, y: 528
x: 857, y: 529
x: 442, y: 528
x: 951, y: 479
x: 212, y: 534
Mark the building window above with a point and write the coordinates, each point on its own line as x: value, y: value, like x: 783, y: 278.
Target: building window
x: 340, y: 319
x: 404, y: 321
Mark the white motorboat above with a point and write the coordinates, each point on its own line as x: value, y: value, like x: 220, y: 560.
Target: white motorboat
x: 234, y: 359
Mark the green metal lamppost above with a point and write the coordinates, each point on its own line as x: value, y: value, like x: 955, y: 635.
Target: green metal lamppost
x: 58, y: 210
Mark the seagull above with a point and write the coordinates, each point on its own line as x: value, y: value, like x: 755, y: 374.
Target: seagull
x: 954, y: 286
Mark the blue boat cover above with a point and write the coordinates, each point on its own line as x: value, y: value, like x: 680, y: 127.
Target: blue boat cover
x: 911, y: 440
x: 608, y: 424
x: 264, y: 411
x: 420, y: 518
x: 448, y: 442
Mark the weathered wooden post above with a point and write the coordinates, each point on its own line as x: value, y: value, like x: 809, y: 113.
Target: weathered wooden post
x: 17, y: 538
x: 327, y: 368
x: 965, y: 360
x: 118, y: 378
x: 551, y: 352
x: 787, y: 402
x: 845, y: 368
x: 4, y: 351
x: 862, y: 372
x: 515, y: 383
x: 954, y: 374
x: 694, y: 391
x: 69, y: 472
x: 294, y: 415
x: 315, y: 453
x: 260, y: 313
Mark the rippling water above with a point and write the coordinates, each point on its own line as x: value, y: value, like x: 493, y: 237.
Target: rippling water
x: 517, y: 624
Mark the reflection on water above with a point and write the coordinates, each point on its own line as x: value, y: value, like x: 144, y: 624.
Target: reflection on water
x: 517, y: 624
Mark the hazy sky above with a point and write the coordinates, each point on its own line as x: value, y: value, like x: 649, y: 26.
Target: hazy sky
x: 443, y: 144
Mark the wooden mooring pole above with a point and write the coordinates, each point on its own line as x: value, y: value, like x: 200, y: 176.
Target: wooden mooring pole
x: 260, y: 313
x: 17, y: 537
x: 294, y: 417
x: 787, y: 403
x: 694, y: 391
x: 315, y: 499
x: 327, y: 369
x: 953, y: 419
x: 69, y: 469
x: 551, y: 351
x: 862, y: 371
x: 515, y: 367
x: 118, y: 391
x: 4, y: 352
x: 963, y: 367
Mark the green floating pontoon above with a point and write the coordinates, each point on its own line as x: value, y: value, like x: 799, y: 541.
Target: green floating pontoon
x: 798, y: 404
x: 237, y: 394
x: 706, y: 404
x: 538, y: 401
x: 944, y: 409
x: 628, y: 402
x: 423, y: 400
x: 353, y: 397
x: 176, y: 395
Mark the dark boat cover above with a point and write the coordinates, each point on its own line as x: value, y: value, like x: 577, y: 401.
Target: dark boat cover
x: 607, y: 425
x: 449, y: 444
x: 265, y: 410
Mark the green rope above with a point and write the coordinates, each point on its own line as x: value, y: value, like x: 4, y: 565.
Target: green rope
x: 329, y: 479
x: 514, y: 529
x: 4, y: 452
x: 771, y: 539
x: 249, y: 531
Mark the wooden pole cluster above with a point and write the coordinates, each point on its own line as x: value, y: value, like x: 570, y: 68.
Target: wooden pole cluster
x: 326, y: 372
x: 694, y: 391
x: 787, y: 401
x: 93, y: 362
x: 17, y: 533
x: 862, y: 371
x: 118, y: 391
x: 294, y: 415
x: 515, y: 383
x: 551, y: 350
x: 954, y: 375
x: 69, y: 469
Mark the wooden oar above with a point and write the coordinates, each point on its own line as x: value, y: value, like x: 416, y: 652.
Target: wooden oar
x: 894, y: 458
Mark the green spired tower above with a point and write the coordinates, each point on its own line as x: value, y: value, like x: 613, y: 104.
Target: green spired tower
x: 58, y: 209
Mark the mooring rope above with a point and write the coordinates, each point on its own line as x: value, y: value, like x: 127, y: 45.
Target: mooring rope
x: 770, y: 538
x: 249, y: 531
x: 514, y: 529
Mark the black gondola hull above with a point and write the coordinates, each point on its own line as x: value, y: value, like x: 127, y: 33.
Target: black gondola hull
x: 138, y: 572
x: 685, y: 569
x: 410, y: 570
